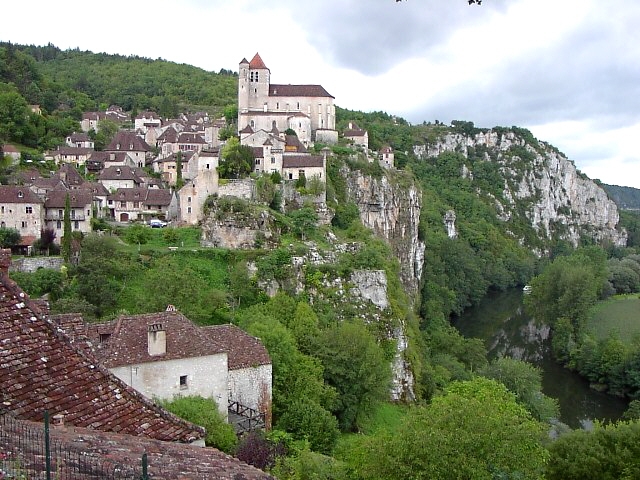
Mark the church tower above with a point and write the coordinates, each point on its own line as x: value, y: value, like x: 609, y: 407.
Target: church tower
x: 258, y: 84
x: 243, y: 87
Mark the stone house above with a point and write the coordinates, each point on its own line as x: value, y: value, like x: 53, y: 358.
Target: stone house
x: 120, y: 177
x: 76, y: 156
x: 386, y: 157
x: 10, y: 151
x: 80, y: 213
x: 167, y: 167
x: 23, y: 210
x: 295, y: 166
x: 132, y: 144
x: 307, y: 109
x: 129, y: 204
x: 91, y: 120
x: 358, y: 136
x: 194, y: 193
x: 101, y: 160
x: 146, y: 120
x: 164, y: 354
x: 79, y: 140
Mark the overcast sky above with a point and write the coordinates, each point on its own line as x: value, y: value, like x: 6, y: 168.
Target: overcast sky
x: 568, y: 70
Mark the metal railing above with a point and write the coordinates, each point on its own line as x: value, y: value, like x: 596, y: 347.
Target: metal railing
x: 27, y: 452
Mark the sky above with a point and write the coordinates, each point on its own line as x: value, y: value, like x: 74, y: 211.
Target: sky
x: 568, y: 70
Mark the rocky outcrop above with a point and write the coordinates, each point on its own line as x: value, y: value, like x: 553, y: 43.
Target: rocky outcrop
x: 390, y: 206
x: 541, y: 183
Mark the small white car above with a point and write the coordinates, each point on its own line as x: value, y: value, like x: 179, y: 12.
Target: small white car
x: 157, y: 223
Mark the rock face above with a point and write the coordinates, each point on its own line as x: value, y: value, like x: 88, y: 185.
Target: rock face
x: 557, y: 199
x: 391, y: 208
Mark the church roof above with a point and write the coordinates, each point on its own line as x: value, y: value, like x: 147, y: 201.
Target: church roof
x: 298, y: 91
x: 256, y: 62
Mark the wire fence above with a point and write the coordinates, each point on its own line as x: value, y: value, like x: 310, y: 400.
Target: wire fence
x: 27, y: 452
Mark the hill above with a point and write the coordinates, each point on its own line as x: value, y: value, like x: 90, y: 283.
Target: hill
x: 627, y: 198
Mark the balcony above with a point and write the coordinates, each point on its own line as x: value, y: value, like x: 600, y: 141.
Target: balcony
x: 79, y: 217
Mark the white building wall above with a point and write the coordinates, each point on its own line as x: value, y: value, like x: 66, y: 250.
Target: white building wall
x: 252, y: 387
x: 206, y: 376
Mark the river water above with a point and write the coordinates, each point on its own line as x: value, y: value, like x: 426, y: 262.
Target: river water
x: 500, y: 320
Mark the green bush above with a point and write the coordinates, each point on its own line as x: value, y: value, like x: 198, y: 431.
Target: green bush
x: 204, y: 412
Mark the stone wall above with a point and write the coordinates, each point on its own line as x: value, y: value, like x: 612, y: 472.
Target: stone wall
x: 31, y: 264
x: 237, y: 188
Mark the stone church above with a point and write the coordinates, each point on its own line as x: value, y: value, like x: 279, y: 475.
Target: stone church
x: 306, y: 109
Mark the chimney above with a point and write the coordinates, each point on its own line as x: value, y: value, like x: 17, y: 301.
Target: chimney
x: 58, y: 421
x: 5, y: 260
x: 157, y: 339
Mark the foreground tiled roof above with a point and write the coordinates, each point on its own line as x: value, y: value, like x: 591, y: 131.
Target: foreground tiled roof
x: 128, y: 142
x: 108, y: 452
x: 256, y: 62
x: 242, y: 349
x: 41, y: 369
x: 120, y: 172
x: 298, y: 91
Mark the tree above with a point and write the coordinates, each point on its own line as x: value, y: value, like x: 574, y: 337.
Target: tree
x: 9, y: 237
x: 525, y: 381
x: 236, y: 160
x: 179, y: 180
x: 137, y: 234
x: 354, y: 364
x: 304, y: 221
x: 306, y: 419
x: 475, y: 430
x: 204, y: 412
x: 607, y: 452
x: 66, y: 231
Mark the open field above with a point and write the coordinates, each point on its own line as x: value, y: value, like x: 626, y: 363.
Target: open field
x: 619, y: 314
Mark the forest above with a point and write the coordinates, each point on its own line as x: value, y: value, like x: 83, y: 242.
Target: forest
x: 331, y: 364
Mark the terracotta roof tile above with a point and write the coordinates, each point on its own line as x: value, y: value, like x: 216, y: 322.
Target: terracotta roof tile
x: 256, y: 62
x: 300, y: 161
x: 11, y: 194
x: 242, y: 349
x: 298, y: 91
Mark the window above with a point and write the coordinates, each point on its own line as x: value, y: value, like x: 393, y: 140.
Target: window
x: 183, y: 382
x: 257, y: 161
x: 2, y: 210
x: 188, y: 209
x: 136, y: 204
x: 298, y: 105
x: 24, y: 224
x: 76, y: 225
x: 188, y: 199
x: 123, y: 204
x: 104, y: 337
x: 273, y: 159
x: 29, y: 209
x: 58, y: 225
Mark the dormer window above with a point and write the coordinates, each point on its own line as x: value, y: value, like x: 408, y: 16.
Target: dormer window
x: 20, y: 194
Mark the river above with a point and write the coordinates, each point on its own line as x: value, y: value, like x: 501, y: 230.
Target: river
x: 500, y: 320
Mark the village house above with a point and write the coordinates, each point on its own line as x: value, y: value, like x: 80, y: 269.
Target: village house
x: 120, y: 177
x: 132, y: 144
x: 130, y: 204
x: 10, y: 151
x: 167, y: 167
x: 22, y: 210
x: 79, y: 140
x: 306, y: 109
x: 74, y: 155
x: 80, y: 211
x: 386, y: 157
x: 145, y: 121
x: 101, y: 160
x: 165, y: 354
x: 357, y: 136
x: 91, y: 120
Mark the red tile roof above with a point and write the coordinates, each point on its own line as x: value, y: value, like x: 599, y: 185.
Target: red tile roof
x: 242, y: 349
x: 41, y: 369
x: 120, y: 172
x: 256, y: 62
x: 127, y: 142
x: 11, y: 194
x: 77, y: 199
x: 298, y: 91
x: 108, y: 452
x: 128, y: 341
x: 301, y: 161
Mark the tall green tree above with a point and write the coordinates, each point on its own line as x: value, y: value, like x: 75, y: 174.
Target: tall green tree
x: 236, y: 161
x: 354, y: 364
x: 66, y: 239
x: 9, y: 237
x: 476, y: 430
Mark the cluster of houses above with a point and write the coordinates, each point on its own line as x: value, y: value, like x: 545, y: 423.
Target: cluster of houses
x: 279, y: 122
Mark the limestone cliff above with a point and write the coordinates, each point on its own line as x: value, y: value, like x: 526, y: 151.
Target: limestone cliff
x: 539, y: 182
x: 390, y: 206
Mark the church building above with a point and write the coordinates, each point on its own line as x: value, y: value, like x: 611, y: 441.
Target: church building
x: 306, y: 109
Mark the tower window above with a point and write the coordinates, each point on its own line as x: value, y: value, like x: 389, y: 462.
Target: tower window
x: 183, y: 382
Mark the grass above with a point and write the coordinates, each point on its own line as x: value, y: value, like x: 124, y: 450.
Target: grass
x: 620, y: 315
x: 187, y: 238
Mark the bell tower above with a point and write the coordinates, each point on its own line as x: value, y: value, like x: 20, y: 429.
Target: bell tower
x: 258, y: 83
